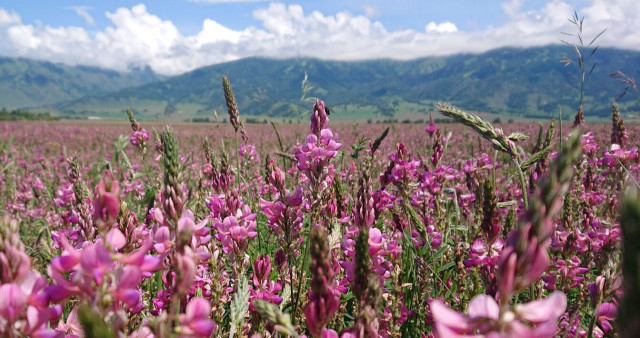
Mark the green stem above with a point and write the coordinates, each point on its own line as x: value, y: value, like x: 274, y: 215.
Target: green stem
x: 523, y: 184
x: 237, y: 165
x: 592, y: 324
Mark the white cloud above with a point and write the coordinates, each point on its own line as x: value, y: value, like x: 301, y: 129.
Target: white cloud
x: 8, y: 18
x: 136, y: 37
x: 83, y: 12
x: 444, y: 27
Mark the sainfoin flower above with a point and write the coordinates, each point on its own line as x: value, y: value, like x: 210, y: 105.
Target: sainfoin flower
x: 319, y: 118
x: 316, y: 152
x: 263, y: 287
x: 195, y: 321
x: 139, y: 137
x: 106, y: 204
x: 616, y: 155
x: 234, y: 230
x: 484, y: 318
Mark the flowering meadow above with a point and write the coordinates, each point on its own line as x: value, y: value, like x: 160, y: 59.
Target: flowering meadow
x: 466, y: 229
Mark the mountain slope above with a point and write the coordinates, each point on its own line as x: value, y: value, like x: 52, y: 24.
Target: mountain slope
x: 517, y: 82
x: 30, y: 83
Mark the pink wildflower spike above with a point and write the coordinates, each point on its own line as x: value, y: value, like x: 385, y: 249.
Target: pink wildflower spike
x: 195, y: 322
x: 261, y: 269
x: 12, y: 301
x: 431, y: 128
x: 319, y: 118
x: 139, y: 137
x: 615, y: 154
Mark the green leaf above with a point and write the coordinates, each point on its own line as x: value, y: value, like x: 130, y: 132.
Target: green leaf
x: 447, y: 266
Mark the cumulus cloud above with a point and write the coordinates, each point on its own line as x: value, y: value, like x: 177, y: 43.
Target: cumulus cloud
x: 8, y: 18
x: 136, y: 37
x: 444, y: 27
x: 83, y: 12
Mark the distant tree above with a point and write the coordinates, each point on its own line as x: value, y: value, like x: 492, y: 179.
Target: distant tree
x: 170, y: 108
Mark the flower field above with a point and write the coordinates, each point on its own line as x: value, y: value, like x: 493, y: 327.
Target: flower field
x: 323, y: 230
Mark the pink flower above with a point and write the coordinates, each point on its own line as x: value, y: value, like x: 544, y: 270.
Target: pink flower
x: 199, y: 232
x: 615, y: 154
x: 263, y: 288
x: 484, y: 318
x: 146, y: 263
x: 481, y: 254
x: 72, y: 324
x: 375, y: 241
x: 13, y: 302
x: 116, y: 239
x: 606, y: 312
x: 234, y: 230
x: 319, y: 118
x: 316, y: 152
x: 106, y: 204
x: 195, y: 321
x: 96, y: 261
x: 431, y: 128
x: 127, y: 291
x: 139, y: 137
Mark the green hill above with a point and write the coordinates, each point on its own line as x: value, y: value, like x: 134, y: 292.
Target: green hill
x: 529, y: 82
x: 29, y: 83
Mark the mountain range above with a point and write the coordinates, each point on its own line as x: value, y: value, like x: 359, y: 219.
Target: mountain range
x: 527, y: 82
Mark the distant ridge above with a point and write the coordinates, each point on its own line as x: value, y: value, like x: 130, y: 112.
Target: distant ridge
x: 31, y: 83
x: 509, y: 81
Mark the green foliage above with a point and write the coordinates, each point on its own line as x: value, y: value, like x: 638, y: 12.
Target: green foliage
x: 23, y: 115
x: 92, y: 324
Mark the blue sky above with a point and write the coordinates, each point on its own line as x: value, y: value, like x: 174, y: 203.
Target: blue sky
x: 175, y: 36
x: 188, y: 15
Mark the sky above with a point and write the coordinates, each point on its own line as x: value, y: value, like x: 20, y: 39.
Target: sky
x: 176, y: 36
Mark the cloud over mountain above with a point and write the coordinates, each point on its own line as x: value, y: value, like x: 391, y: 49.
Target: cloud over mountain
x: 136, y: 37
